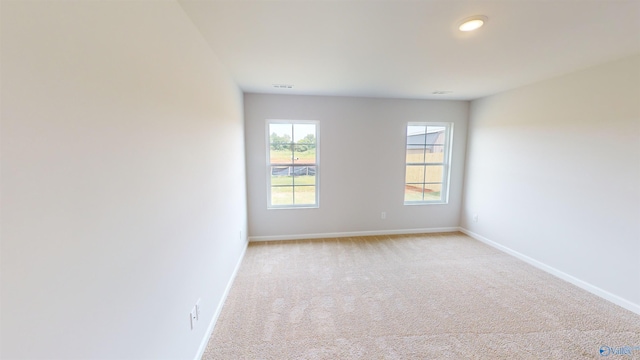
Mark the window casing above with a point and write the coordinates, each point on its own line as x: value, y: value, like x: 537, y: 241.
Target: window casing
x: 292, y: 164
x: 427, y: 163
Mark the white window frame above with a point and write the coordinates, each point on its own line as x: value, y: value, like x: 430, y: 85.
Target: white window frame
x: 268, y: 164
x: 446, y: 171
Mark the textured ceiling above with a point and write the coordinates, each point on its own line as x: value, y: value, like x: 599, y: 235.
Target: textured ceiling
x: 410, y: 49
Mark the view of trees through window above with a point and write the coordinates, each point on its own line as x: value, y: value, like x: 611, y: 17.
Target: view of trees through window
x: 293, y: 164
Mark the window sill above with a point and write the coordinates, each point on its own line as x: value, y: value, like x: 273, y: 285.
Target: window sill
x: 414, y: 203
x: 287, y: 207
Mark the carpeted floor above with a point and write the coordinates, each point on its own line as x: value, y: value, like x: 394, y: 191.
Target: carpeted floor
x: 435, y: 296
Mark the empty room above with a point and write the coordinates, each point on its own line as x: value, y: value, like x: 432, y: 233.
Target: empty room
x: 428, y: 179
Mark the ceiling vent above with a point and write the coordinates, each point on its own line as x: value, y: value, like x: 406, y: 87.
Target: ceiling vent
x: 442, y: 92
x: 283, y: 86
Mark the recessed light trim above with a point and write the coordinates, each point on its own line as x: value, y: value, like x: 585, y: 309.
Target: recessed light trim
x: 472, y: 23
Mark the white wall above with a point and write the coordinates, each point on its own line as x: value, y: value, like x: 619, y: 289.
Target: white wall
x: 362, y: 142
x: 123, y: 187
x: 553, y: 172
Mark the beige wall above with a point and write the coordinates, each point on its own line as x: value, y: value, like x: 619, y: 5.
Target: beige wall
x: 122, y: 181
x: 553, y: 172
x: 362, y: 165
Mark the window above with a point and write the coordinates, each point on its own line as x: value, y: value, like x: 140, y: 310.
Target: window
x: 427, y: 163
x: 292, y: 163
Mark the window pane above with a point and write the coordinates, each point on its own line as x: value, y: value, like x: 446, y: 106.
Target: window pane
x: 281, y: 195
x: 414, y: 174
x: 416, y: 134
x: 434, y: 154
x: 280, y: 154
x: 305, y: 175
x: 305, y: 195
x: 304, y: 133
x: 304, y: 154
x: 413, y: 192
x: 432, y: 192
x: 415, y: 153
x: 437, y: 157
x: 280, y: 133
x: 281, y: 175
x: 434, y: 173
x: 281, y: 170
x: 436, y: 135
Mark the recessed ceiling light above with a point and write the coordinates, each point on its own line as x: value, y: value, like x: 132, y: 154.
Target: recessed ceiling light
x: 472, y: 23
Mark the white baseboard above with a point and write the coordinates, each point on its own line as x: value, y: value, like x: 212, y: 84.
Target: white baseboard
x: 207, y: 335
x: 352, y: 233
x: 562, y: 275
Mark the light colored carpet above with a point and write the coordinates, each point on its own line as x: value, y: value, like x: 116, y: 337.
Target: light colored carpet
x: 410, y: 297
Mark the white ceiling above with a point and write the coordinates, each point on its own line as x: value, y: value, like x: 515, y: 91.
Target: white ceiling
x: 409, y: 49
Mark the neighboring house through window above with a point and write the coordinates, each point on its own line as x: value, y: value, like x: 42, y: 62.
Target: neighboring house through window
x: 428, y: 149
x: 292, y: 164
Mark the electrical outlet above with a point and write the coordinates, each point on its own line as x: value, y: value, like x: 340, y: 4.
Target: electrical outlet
x: 193, y: 318
x: 475, y: 217
x: 383, y: 215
